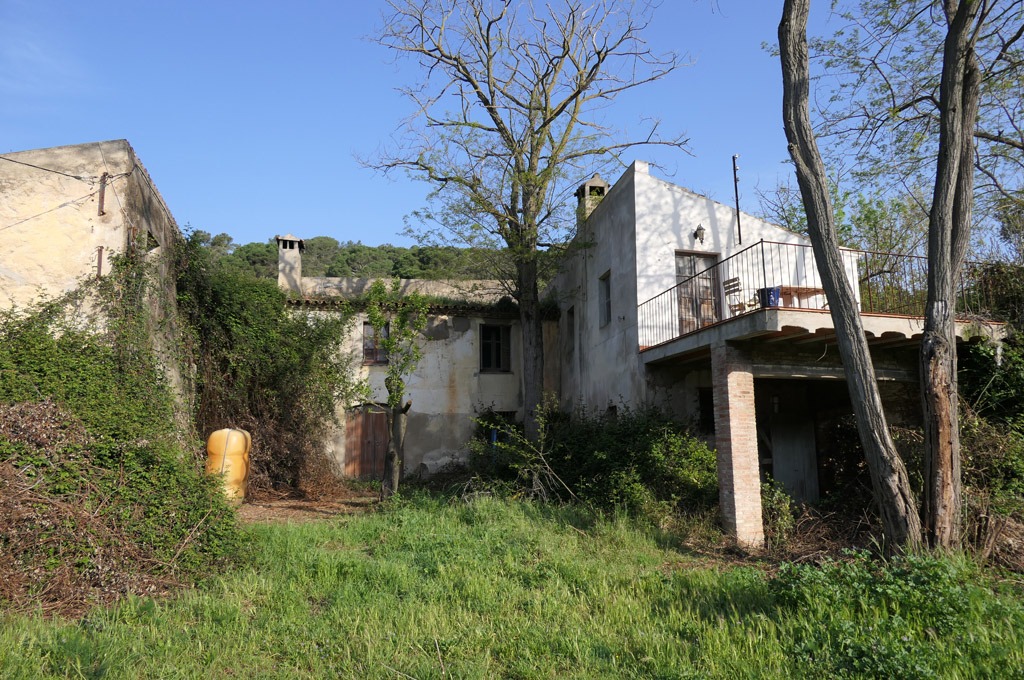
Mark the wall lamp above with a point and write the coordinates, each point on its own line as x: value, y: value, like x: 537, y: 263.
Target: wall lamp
x: 699, y: 233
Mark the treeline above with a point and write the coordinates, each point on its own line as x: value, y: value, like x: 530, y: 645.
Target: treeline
x: 326, y: 256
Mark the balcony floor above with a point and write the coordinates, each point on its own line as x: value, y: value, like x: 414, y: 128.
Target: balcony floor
x: 804, y: 326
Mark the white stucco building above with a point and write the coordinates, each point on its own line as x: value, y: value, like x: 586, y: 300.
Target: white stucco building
x: 470, y: 365
x: 662, y: 302
x: 66, y: 210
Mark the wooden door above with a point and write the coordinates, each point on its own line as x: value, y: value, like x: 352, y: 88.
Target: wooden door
x: 794, y: 456
x: 366, y: 442
x: 698, y: 291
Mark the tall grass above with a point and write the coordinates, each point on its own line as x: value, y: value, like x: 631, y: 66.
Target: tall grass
x: 429, y: 589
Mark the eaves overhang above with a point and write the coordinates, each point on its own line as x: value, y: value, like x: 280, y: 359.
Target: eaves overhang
x: 801, y: 327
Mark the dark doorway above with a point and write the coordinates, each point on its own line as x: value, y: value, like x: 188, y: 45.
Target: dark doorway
x: 787, y: 445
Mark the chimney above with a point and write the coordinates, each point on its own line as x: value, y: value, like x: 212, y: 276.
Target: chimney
x: 289, y: 263
x: 588, y: 196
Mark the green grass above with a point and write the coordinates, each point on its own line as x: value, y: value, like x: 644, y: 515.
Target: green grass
x: 429, y: 589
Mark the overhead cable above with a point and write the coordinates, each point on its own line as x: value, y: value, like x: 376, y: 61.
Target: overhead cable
x: 92, y: 179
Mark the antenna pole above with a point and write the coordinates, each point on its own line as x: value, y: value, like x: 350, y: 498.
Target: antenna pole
x: 736, y: 190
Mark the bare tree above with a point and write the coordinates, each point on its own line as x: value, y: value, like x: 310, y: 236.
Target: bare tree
x: 508, y: 123
x: 928, y: 93
x: 889, y: 477
x: 949, y: 225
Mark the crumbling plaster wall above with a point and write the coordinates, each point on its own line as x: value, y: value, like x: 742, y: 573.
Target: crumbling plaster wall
x: 448, y: 390
x: 600, y: 365
x: 49, y: 213
x: 62, y: 222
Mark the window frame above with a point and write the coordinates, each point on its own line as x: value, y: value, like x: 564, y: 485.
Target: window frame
x: 499, y: 348
x: 604, y: 299
x: 374, y: 353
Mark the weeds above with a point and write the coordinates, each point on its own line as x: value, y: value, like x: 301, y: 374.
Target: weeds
x: 640, y: 461
x: 777, y: 513
x: 97, y: 496
x: 431, y: 587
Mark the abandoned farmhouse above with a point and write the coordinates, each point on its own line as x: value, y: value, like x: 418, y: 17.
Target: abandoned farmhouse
x: 667, y: 298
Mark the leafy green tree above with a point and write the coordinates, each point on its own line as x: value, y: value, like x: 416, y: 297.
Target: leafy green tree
x: 257, y: 259
x: 219, y: 245
x: 319, y: 252
x: 889, y: 478
x: 356, y: 259
x: 527, y: 79
x: 397, y: 319
x: 263, y: 366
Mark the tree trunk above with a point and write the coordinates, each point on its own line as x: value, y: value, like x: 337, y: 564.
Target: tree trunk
x: 889, y: 478
x: 394, y: 458
x: 948, y: 228
x: 533, y: 344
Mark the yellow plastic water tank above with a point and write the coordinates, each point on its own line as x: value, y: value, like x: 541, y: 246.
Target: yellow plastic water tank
x: 227, y: 455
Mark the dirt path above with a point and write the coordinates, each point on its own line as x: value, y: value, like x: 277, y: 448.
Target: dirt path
x: 286, y: 510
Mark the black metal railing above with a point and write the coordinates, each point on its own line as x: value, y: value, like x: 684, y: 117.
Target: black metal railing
x: 770, y: 274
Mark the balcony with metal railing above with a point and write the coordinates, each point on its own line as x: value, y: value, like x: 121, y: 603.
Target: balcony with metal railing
x: 784, y: 277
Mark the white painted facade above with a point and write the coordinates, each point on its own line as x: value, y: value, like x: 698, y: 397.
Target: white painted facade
x: 631, y: 240
x: 450, y: 387
x: 64, y: 211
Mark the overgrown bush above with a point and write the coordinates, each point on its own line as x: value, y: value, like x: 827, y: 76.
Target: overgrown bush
x: 639, y: 460
x: 992, y: 380
x: 97, y: 497
x: 992, y: 442
x: 262, y: 366
x: 884, y: 619
x: 777, y: 513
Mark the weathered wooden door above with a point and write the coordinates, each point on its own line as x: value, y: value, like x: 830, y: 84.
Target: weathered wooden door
x: 366, y: 442
x: 697, y: 290
x: 794, y: 457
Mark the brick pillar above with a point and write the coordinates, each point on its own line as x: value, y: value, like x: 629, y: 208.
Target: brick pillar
x: 739, y: 480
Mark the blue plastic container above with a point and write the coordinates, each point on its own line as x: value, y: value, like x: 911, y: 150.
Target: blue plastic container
x: 769, y: 297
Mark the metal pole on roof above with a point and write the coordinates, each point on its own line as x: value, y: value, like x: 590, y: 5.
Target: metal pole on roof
x: 736, y: 190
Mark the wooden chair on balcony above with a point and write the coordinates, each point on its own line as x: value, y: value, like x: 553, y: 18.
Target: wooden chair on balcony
x: 734, y: 299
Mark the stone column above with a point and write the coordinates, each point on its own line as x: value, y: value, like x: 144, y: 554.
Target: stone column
x: 739, y: 479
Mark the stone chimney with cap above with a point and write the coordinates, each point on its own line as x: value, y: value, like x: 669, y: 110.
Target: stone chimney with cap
x: 289, y: 263
x: 588, y: 196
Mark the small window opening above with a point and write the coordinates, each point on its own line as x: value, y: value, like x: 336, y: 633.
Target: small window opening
x: 604, y: 298
x: 495, y: 348
x: 373, y: 348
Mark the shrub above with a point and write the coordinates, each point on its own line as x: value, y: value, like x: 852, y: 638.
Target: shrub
x: 883, y: 619
x: 639, y: 460
x: 777, y: 514
x: 96, y: 494
x: 275, y: 371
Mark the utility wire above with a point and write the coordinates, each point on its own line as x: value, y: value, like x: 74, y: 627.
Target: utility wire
x: 73, y: 201
x: 92, y: 179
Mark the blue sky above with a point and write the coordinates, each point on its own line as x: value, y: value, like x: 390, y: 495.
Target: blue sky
x: 250, y: 116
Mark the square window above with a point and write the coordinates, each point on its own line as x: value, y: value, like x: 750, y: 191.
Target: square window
x: 373, y: 350
x: 495, y: 348
x: 604, y: 298
x: 570, y: 330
